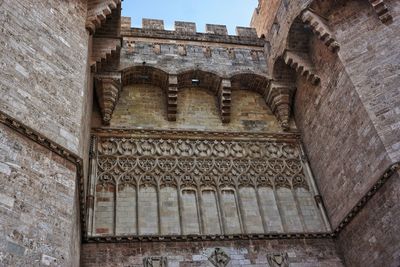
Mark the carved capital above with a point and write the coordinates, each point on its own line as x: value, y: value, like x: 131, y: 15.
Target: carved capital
x: 224, y: 100
x: 107, y: 89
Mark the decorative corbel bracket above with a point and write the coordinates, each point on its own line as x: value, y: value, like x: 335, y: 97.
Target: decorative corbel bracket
x: 172, y: 97
x: 98, y: 12
x: 381, y: 10
x: 303, y: 65
x: 224, y: 100
x: 321, y: 29
x: 108, y: 87
x: 279, y: 99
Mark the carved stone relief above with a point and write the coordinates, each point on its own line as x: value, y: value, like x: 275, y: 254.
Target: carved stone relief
x: 155, y: 262
x: 199, y: 163
x: 219, y: 258
x: 278, y: 259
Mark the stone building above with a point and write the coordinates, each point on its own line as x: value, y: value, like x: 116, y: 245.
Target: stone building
x: 277, y: 146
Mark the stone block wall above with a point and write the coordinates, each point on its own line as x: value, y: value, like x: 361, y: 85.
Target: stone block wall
x: 373, y: 237
x: 349, y: 164
x: 39, y: 221
x: 370, y: 54
x: 43, y: 73
x: 301, y: 253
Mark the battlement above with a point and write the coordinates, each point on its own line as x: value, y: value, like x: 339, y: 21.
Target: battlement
x: 154, y: 28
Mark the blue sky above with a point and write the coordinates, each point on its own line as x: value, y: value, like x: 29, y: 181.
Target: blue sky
x: 229, y: 12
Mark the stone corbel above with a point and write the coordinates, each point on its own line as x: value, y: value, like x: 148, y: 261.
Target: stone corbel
x: 108, y: 88
x: 381, y: 10
x: 224, y: 100
x: 321, y: 29
x: 303, y: 65
x: 279, y: 98
x: 97, y: 13
x: 172, y: 97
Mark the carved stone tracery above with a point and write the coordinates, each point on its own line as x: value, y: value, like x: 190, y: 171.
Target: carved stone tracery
x: 179, y: 162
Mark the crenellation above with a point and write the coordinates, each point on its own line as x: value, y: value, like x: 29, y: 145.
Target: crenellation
x: 153, y: 24
x: 246, y: 32
x: 184, y: 27
x: 216, y: 29
x: 126, y: 23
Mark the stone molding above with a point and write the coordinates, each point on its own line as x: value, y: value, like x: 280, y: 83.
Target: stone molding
x: 39, y: 138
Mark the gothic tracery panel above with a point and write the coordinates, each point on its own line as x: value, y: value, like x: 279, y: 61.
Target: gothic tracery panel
x: 183, y: 184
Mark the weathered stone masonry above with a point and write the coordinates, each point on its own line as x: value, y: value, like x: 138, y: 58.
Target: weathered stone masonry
x: 277, y: 146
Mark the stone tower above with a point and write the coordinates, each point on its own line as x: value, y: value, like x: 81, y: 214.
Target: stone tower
x: 277, y: 146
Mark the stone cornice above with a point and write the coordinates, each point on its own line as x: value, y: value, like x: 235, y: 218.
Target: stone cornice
x: 198, y: 135
x: 364, y: 200
x: 183, y: 238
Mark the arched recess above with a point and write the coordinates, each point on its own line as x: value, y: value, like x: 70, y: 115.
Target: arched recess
x: 255, y: 83
x: 148, y: 75
x: 218, y: 86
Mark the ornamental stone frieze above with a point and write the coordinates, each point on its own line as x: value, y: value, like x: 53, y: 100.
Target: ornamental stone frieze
x: 199, y: 163
x: 161, y: 183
